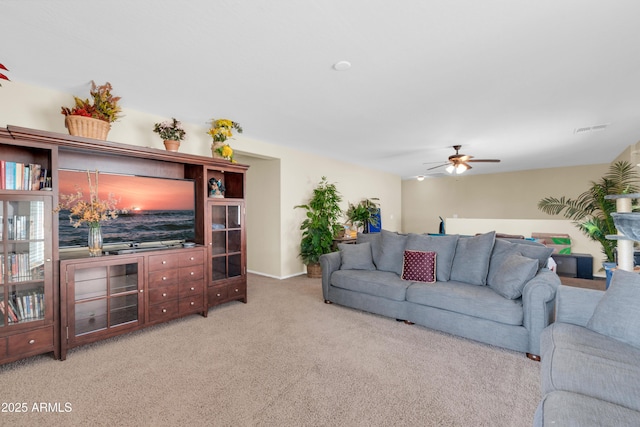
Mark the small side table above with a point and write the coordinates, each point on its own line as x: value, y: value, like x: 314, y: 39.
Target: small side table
x: 345, y: 240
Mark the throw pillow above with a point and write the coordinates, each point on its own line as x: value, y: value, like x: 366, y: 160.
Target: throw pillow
x: 374, y: 239
x: 419, y: 266
x: 391, y: 252
x: 356, y: 257
x: 534, y: 250
x: 513, y: 274
x: 444, y: 246
x: 617, y: 315
x: 471, y: 260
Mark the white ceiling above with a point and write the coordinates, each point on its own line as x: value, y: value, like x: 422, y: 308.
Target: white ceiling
x: 508, y: 79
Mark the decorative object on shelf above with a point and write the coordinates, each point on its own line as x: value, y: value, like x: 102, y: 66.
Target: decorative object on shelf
x: 172, y: 132
x: 91, y: 211
x: 321, y: 225
x: 95, y: 239
x: 362, y: 215
x: 2, y: 76
x: 93, y: 118
x: 591, y: 211
x: 220, y: 131
x: 216, y: 188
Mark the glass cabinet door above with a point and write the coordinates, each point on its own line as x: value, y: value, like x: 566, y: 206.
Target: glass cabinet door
x: 105, y: 297
x: 226, y: 241
x: 23, y: 260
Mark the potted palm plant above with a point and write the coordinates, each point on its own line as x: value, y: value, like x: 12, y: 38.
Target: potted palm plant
x: 363, y: 214
x: 591, y: 211
x: 320, y: 226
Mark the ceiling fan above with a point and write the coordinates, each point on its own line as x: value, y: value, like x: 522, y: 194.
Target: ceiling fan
x: 459, y: 163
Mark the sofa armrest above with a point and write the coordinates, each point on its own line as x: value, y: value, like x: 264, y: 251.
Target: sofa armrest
x: 538, y: 303
x: 576, y: 305
x: 329, y: 263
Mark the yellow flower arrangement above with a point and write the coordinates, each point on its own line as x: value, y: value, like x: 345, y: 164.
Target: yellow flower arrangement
x: 92, y: 211
x: 220, y: 131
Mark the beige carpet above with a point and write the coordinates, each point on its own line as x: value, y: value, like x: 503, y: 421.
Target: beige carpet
x: 283, y: 359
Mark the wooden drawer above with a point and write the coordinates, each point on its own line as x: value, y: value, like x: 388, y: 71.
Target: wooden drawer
x: 191, y: 288
x: 162, y: 261
x: 190, y: 304
x: 40, y: 340
x: 217, y: 293
x: 163, y: 278
x: 193, y: 272
x: 191, y: 258
x: 236, y: 291
x: 164, y: 311
x: 166, y: 293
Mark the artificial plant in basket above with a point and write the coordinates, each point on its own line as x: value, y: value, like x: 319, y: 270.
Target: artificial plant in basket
x: 321, y: 225
x: 102, y: 105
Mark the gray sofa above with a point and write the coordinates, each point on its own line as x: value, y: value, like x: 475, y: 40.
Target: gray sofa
x: 590, y: 370
x: 496, y: 291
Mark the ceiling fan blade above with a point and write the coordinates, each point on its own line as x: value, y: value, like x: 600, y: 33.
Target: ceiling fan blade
x: 484, y: 160
x: 439, y: 166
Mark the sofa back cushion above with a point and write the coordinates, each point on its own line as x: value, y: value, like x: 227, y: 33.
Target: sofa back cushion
x: 617, y: 314
x: 471, y: 260
x: 443, y: 246
x: 392, y: 247
x: 374, y: 239
x: 356, y: 257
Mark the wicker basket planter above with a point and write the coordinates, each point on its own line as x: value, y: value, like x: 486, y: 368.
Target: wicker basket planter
x: 314, y: 271
x: 87, y: 127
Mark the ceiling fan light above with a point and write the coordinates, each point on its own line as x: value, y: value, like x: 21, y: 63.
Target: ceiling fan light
x: 420, y: 177
x: 461, y: 168
x: 450, y: 168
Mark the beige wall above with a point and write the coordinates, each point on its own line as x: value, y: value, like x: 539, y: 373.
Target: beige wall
x: 279, y: 177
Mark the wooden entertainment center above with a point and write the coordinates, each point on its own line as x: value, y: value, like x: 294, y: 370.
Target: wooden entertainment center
x: 52, y: 300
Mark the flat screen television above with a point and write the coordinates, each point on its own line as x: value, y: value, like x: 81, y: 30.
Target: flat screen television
x: 160, y: 211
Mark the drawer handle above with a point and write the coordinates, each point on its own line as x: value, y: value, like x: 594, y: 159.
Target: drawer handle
x: 164, y: 262
x: 237, y: 290
x: 191, y: 259
x: 193, y: 289
x: 218, y: 295
x: 164, y: 278
x: 193, y: 303
x: 141, y: 290
x: 32, y: 341
x: 164, y: 294
x: 164, y: 310
x: 192, y: 273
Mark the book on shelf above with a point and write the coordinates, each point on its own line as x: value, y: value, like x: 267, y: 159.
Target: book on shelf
x: 22, y: 176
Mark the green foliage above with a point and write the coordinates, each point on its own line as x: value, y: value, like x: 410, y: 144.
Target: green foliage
x: 103, y: 106
x: 590, y: 211
x: 363, y: 213
x: 322, y: 222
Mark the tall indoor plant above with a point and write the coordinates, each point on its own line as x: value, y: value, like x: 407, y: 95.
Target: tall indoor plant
x: 590, y: 211
x: 320, y: 226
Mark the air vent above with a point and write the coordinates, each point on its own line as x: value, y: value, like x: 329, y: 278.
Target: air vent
x: 593, y: 128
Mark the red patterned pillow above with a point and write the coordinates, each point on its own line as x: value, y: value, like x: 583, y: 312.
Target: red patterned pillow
x: 419, y: 266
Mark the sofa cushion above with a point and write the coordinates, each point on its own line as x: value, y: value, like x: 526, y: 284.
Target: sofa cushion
x: 512, y: 274
x: 561, y: 408
x: 530, y: 249
x: 379, y: 283
x: 579, y: 360
x: 391, y: 252
x: 476, y: 301
x: 617, y: 315
x: 471, y: 260
x: 356, y: 257
x: 444, y: 246
x: 419, y: 266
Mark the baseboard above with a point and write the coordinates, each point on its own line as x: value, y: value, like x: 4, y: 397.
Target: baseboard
x: 258, y: 273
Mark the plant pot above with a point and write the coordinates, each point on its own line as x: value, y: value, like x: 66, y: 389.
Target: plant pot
x: 314, y: 271
x: 171, y: 145
x: 87, y: 127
